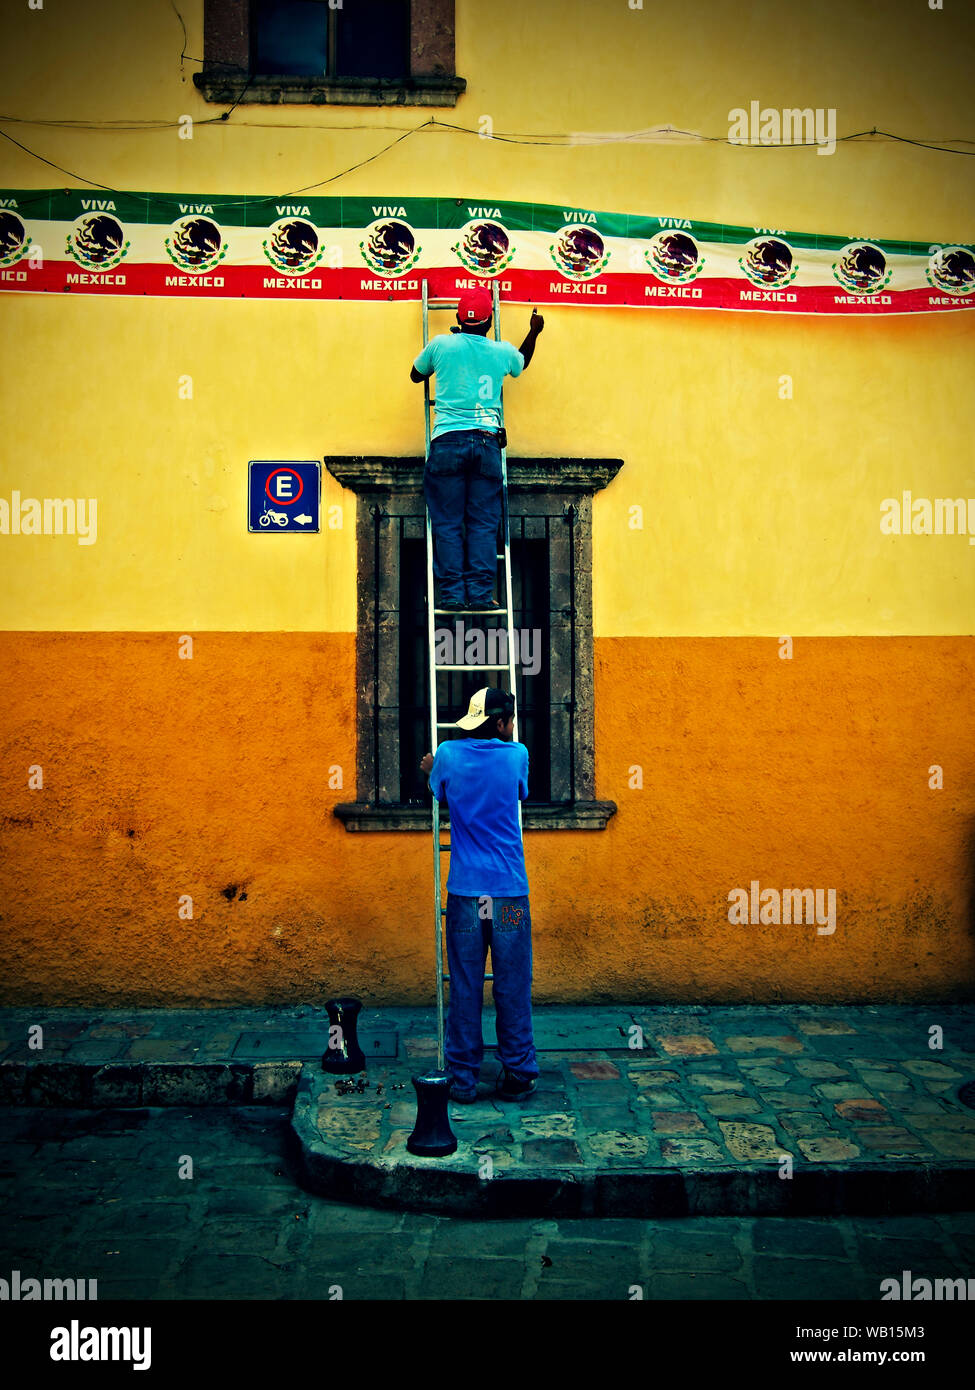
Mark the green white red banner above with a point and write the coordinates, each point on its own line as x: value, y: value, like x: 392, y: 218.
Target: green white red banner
x: 57, y: 241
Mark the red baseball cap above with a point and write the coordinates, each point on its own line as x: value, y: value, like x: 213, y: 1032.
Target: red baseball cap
x: 475, y: 306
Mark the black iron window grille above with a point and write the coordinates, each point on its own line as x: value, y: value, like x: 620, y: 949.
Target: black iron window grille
x: 550, y: 503
x: 478, y: 641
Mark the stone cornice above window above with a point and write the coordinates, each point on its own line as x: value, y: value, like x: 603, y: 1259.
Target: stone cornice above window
x: 366, y: 473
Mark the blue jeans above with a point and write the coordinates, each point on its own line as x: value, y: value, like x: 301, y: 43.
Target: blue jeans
x: 462, y: 484
x: 471, y: 929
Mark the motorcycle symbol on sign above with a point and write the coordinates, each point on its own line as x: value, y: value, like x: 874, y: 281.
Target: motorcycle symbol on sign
x: 268, y: 515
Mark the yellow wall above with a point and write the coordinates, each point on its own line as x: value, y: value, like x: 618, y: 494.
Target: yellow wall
x: 761, y: 517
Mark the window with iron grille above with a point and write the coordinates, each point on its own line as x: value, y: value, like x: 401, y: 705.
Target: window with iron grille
x: 550, y: 504
x: 362, y: 52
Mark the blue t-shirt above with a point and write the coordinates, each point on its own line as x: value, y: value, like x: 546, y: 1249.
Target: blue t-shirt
x: 470, y: 369
x: 481, y: 780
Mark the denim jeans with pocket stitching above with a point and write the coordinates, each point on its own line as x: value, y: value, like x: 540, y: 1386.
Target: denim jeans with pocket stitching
x: 473, y: 926
x: 462, y: 487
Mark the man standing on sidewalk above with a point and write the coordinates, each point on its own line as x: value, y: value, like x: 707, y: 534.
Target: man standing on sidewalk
x: 462, y: 479
x: 482, y: 777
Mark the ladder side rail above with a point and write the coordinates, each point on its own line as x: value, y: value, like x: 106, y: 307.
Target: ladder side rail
x: 509, y: 601
x: 431, y: 657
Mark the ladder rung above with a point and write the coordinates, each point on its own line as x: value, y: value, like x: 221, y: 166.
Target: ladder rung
x: 456, y: 612
x: 446, y: 978
x: 440, y: 303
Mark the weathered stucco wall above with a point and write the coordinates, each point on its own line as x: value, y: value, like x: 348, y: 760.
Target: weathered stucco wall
x: 210, y: 777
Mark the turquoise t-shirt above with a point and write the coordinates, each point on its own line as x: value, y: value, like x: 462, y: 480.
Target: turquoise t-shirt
x: 470, y: 369
x: 481, y: 780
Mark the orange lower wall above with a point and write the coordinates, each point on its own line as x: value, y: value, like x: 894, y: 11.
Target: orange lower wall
x: 165, y: 777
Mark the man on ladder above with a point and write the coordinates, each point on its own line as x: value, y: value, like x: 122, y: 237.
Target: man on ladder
x: 462, y: 479
x: 482, y: 778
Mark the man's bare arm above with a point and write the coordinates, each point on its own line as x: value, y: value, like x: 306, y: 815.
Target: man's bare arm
x: 418, y: 376
x: 535, y: 326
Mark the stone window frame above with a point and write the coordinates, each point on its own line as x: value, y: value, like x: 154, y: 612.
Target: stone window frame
x: 394, y: 487
x: 227, y: 77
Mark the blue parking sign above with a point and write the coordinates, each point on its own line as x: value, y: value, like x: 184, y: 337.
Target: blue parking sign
x: 284, y: 496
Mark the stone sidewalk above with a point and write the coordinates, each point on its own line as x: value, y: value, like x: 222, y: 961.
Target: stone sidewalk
x: 639, y: 1111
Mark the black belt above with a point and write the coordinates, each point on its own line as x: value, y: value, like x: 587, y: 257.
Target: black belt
x: 489, y: 434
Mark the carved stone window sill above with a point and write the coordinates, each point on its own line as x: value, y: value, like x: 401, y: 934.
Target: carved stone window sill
x: 438, y: 90
x: 581, y: 815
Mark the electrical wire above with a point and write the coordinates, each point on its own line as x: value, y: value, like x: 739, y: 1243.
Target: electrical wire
x: 242, y: 202
x: 60, y: 167
x: 567, y: 139
x: 404, y: 135
x: 415, y: 130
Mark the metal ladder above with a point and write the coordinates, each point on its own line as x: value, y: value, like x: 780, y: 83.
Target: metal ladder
x: 436, y: 724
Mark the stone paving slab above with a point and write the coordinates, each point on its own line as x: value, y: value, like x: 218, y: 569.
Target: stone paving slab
x: 788, y: 1109
x: 675, y: 1136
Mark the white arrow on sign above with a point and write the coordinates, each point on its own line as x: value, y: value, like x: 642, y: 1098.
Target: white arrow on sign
x: 303, y: 520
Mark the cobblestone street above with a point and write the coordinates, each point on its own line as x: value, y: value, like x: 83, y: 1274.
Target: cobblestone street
x: 97, y: 1195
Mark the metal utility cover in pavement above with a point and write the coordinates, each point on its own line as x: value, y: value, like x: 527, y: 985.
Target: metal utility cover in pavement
x: 299, y: 1045
x: 382, y: 1043
x: 558, y: 1037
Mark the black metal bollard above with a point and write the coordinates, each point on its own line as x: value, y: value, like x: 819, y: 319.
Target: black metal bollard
x: 348, y: 1055
x: 432, y: 1136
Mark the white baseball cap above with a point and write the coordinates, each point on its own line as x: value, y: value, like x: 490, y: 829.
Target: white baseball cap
x: 490, y: 700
